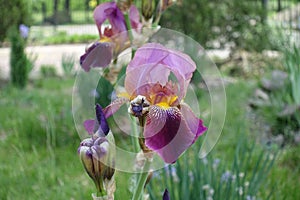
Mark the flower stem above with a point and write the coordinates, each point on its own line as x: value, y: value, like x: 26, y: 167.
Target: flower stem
x: 142, y: 180
x: 135, y: 135
x: 129, y: 31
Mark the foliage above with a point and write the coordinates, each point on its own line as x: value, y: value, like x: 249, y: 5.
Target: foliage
x: 13, y: 13
x: 278, y: 101
x: 64, y: 38
x: 48, y: 71
x: 68, y: 63
x: 292, y: 66
x: 218, y: 24
x: 20, y: 65
x: 214, y: 178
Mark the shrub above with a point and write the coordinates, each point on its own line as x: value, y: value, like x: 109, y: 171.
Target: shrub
x: 217, y: 24
x: 19, y: 63
x: 68, y: 62
x: 13, y: 13
x: 48, y: 71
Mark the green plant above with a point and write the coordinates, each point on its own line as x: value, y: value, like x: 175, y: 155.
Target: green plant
x: 292, y: 66
x: 211, y: 178
x: 214, y: 27
x: 12, y: 14
x: 20, y: 65
x: 48, y: 71
x: 68, y: 62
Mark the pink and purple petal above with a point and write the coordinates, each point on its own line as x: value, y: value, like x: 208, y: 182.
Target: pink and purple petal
x: 167, y: 133
x: 89, y: 126
x: 109, y: 11
x: 134, y: 17
x: 114, y: 107
x: 194, y: 123
x: 98, y: 55
x: 138, y: 80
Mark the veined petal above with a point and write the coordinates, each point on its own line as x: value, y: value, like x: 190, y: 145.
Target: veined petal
x: 114, y: 107
x: 139, y: 79
x: 98, y: 55
x: 167, y: 133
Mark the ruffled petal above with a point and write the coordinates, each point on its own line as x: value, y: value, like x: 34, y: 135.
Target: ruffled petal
x: 151, y: 55
x: 167, y: 133
x: 98, y: 55
x: 138, y: 80
x: 101, y: 13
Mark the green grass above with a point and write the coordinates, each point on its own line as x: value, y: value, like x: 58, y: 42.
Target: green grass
x: 38, y: 143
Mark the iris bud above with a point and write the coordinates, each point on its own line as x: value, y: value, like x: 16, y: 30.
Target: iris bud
x: 148, y: 7
x: 98, y: 160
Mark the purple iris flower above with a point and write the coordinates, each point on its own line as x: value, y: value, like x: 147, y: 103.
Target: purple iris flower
x: 170, y: 125
x: 113, y: 38
x: 166, y: 195
x: 95, y: 154
x: 24, y: 31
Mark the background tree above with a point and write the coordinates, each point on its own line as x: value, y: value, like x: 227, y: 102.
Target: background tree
x: 13, y: 13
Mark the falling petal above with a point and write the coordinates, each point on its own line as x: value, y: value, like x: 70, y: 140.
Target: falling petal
x: 195, y: 124
x: 167, y: 133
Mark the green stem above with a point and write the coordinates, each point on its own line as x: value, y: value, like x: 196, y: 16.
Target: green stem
x: 141, y: 181
x: 135, y: 135
x: 129, y: 31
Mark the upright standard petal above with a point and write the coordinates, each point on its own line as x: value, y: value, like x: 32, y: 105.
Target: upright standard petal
x: 98, y: 55
x: 152, y: 54
x: 134, y: 17
x: 109, y: 11
x: 167, y: 133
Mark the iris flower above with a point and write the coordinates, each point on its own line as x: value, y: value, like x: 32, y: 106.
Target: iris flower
x: 113, y: 38
x: 170, y: 125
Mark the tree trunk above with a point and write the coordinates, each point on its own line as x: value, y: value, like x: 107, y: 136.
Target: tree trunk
x: 67, y: 10
x: 279, y: 5
x: 55, y: 11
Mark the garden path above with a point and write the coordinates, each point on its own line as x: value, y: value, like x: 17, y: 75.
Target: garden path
x: 50, y: 55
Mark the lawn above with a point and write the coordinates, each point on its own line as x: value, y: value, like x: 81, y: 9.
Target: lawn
x: 39, y: 149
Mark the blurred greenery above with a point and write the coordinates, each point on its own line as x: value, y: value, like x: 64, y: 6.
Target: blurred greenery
x: 13, y: 13
x: 219, y: 24
x: 20, y: 64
